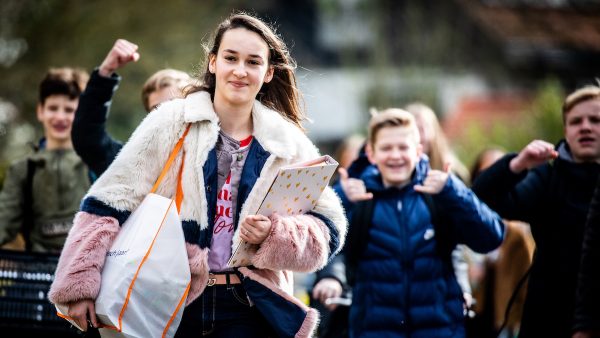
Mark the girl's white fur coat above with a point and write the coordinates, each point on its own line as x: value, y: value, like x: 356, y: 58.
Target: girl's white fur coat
x: 133, y: 173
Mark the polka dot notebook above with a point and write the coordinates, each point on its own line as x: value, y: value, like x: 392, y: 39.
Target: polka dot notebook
x: 294, y: 191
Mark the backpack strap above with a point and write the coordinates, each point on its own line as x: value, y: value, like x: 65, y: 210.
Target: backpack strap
x: 444, y: 230
x: 358, y: 236
x: 358, y: 233
x: 27, y: 224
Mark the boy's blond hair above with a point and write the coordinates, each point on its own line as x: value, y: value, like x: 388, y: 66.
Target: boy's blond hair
x: 163, y: 79
x: 392, y: 117
x: 586, y: 93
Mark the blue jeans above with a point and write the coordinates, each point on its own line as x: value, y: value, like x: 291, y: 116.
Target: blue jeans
x: 222, y: 311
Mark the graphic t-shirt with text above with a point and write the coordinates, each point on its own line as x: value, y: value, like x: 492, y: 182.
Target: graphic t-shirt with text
x: 231, y: 156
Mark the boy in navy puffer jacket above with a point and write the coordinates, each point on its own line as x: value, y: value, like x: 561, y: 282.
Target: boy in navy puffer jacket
x: 403, y: 284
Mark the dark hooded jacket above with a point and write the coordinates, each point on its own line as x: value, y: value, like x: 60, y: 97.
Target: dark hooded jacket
x: 587, y: 310
x: 402, y: 286
x: 554, y: 199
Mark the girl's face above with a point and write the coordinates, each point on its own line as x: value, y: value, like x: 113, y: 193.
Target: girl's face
x: 426, y: 132
x: 240, y: 67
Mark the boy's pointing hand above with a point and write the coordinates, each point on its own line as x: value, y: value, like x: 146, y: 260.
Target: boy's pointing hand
x: 354, y: 188
x: 434, y: 182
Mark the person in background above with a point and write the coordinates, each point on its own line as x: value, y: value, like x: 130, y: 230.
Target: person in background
x: 403, y: 227
x: 434, y: 141
x: 349, y: 150
x: 587, y: 311
x: 550, y: 187
x: 501, y: 271
x: 243, y: 123
x: 42, y: 191
x: 90, y: 138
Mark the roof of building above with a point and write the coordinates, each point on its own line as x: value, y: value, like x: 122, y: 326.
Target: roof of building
x: 521, y: 25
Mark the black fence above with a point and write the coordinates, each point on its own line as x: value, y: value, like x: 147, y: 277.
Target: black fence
x: 25, y: 311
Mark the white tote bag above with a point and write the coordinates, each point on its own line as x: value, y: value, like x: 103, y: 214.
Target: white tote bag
x: 146, y: 275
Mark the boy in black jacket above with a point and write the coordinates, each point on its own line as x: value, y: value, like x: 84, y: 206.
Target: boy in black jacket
x: 90, y: 139
x: 553, y: 197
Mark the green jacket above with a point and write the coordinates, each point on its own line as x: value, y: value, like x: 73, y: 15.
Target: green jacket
x: 60, y: 181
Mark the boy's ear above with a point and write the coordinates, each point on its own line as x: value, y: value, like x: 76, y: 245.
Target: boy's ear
x: 369, y: 151
x: 419, y: 150
x: 39, y: 109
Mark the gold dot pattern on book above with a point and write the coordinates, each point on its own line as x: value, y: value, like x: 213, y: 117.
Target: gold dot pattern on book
x: 296, y: 191
x: 245, y: 261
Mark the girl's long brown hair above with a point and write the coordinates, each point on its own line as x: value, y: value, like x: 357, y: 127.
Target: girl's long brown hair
x: 440, y: 152
x: 281, y: 94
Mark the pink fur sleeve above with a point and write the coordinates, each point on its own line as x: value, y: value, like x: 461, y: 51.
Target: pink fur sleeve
x: 78, y: 272
x: 198, y: 260
x: 297, y: 243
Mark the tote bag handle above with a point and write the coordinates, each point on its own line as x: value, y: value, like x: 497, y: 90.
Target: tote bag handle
x: 174, y: 153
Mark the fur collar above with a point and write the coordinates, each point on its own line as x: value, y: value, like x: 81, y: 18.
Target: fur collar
x: 133, y: 173
x: 270, y: 128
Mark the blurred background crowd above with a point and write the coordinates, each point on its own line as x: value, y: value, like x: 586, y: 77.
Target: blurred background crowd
x: 494, y: 72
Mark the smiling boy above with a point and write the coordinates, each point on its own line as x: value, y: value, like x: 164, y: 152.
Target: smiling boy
x: 41, y: 192
x: 403, y: 281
